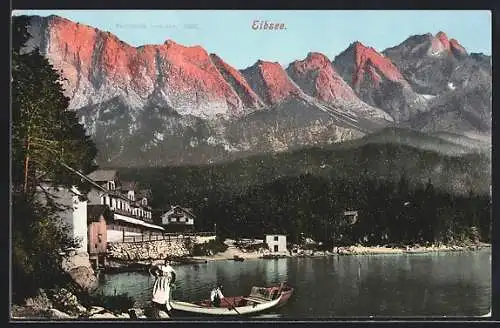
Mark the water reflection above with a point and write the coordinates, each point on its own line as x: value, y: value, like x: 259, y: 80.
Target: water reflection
x: 382, y: 285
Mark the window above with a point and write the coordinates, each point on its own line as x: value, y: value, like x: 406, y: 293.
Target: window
x: 276, y: 238
x: 144, y: 201
x: 275, y: 247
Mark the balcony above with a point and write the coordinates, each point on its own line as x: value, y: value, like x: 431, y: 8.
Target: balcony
x: 129, y: 214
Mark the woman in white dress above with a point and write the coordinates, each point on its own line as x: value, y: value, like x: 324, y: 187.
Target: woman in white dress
x: 165, y: 277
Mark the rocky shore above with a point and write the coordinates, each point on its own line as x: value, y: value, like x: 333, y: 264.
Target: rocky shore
x: 64, y: 305
x: 348, y: 250
x: 416, y: 249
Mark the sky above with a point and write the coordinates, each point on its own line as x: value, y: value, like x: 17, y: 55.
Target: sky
x: 229, y: 33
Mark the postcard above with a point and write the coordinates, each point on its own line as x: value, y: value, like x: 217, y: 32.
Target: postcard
x: 247, y: 165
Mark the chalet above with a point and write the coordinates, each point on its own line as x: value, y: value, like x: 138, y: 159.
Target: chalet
x: 178, y: 219
x: 276, y: 243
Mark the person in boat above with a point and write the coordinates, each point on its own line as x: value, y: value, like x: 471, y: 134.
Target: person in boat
x: 164, y: 278
x: 216, y: 296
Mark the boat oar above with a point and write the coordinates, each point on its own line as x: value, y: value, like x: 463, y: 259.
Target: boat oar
x: 234, y: 308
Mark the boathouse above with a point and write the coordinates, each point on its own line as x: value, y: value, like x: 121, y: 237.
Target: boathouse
x: 97, y: 218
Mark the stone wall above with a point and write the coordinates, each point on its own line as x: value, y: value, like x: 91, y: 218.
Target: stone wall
x: 148, y: 250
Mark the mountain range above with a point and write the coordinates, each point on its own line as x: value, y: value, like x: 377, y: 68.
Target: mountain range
x: 169, y: 104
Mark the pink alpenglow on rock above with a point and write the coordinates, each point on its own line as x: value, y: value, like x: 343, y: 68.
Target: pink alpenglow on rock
x: 456, y: 48
x: 317, y: 77
x: 271, y: 82
x: 368, y: 62
x: 98, y: 67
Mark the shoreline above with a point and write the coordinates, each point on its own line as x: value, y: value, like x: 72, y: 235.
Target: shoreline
x: 350, y: 250
x: 375, y: 250
x: 229, y: 254
x: 347, y: 250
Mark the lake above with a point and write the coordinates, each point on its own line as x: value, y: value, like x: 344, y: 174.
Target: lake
x: 437, y: 284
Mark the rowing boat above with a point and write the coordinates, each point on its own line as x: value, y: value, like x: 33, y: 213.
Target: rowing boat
x: 259, y: 300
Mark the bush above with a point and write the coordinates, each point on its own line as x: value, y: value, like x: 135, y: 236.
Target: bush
x: 65, y: 300
x: 37, y: 240
x: 209, y: 248
x: 116, y: 303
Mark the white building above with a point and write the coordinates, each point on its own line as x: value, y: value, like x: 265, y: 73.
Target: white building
x: 178, y: 219
x: 120, y: 198
x: 351, y: 217
x: 74, y: 216
x: 132, y: 213
x: 276, y: 243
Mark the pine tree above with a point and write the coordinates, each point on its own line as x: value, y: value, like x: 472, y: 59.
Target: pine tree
x: 44, y: 135
x: 44, y: 132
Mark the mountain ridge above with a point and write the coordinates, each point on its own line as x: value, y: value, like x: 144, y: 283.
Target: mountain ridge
x: 139, y: 102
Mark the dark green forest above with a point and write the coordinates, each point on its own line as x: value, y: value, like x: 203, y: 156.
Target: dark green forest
x: 403, y: 195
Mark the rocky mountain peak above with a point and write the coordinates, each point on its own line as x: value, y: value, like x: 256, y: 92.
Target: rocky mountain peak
x: 237, y: 81
x: 316, y: 76
x: 99, y: 66
x: 270, y: 82
x: 457, y: 49
x: 441, y: 45
x: 443, y: 38
x: 369, y: 63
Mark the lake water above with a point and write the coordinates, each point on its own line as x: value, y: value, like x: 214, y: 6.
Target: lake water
x: 439, y: 284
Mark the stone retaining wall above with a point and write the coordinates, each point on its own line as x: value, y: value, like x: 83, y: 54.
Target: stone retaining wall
x: 148, y: 250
